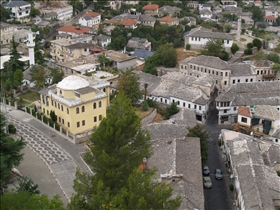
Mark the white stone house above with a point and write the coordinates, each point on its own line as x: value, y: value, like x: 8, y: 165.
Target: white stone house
x: 244, y: 116
x: 205, y: 13
x: 20, y: 10
x: 102, y: 40
x: 242, y: 73
x: 198, y: 37
x: 273, y: 11
x: 228, y: 3
x: 90, y: 19
x: 246, y: 94
x: 204, y: 6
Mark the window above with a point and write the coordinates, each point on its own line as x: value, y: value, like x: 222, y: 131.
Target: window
x: 67, y: 111
x: 225, y: 111
x: 99, y: 104
x: 226, y: 74
x: 258, y: 72
x: 59, y: 119
x: 227, y: 41
x: 44, y: 110
x: 261, y: 72
x: 209, y: 71
x: 78, y: 124
x: 234, y: 108
x: 184, y: 104
x: 181, y: 66
x: 246, y: 80
x: 191, y: 66
x: 161, y: 100
x: 100, y: 117
x: 83, y: 123
x: 55, y: 104
x: 165, y: 101
x: 238, y: 80
x: 68, y: 124
x: 94, y: 105
x: 244, y: 119
x: 251, y: 80
x: 83, y: 108
x: 61, y: 107
x: 217, y: 81
x: 217, y: 73
x: 194, y: 67
x: 189, y: 106
x: 178, y: 102
x: 213, y: 72
x: 60, y: 92
x: 199, y: 107
x: 221, y: 74
x: 63, y: 121
x: 95, y: 119
x: 225, y: 82
x: 47, y: 112
x: 205, y: 70
x: 58, y: 105
x: 233, y: 81
x: 77, y: 110
x: 20, y: 13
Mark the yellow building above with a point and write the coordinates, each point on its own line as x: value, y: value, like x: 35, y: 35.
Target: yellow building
x: 7, y: 32
x: 79, y: 102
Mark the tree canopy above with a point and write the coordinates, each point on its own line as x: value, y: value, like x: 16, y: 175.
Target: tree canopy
x: 200, y: 132
x: 119, y: 146
x: 215, y: 47
x: 10, y: 154
x: 128, y: 84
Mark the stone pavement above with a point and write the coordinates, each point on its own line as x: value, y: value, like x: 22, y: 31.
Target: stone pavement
x: 60, y: 156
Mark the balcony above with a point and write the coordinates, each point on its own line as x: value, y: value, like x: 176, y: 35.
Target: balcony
x: 269, y: 76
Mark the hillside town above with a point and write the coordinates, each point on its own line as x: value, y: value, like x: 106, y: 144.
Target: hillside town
x: 136, y: 104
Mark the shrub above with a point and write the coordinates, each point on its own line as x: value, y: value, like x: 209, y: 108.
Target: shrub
x: 234, y: 48
x: 45, y: 119
x: 257, y: 43
x: 152, y: 103
x: 231, y: 187
x: 53, y: 116
x: 248, y: 51
x: 250, y: 45
x: 224, y: 55
x: 50, y: 123
x: 38, y: 115
x: 171, y: 110
x: 33, y: 113
x: 220, y: 143
x: 28, y: 110
x: 188, y: 46
x: 145, y: 106
x: 57, y: 127
x: 278, y: 173
x: 12, y: 129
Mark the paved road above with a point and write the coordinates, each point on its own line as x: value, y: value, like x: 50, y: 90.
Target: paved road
x: 219, y: 196
x: 60, y: 156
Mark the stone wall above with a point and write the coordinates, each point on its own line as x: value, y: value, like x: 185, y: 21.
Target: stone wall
x: 149, y: 118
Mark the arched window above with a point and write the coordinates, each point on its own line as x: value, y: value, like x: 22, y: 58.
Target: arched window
x: 94, y: 105
x: 77, y: 110
x: 58, y: 105
x: 99, y: 104
x: 83, y: 108
x: 55, y: 104
x: 61, y: 107
x: 67, y: 111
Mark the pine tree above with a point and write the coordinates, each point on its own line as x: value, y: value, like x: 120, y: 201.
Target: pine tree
x: 10, y: 155
x: 119, y: 146
x: 129, y: 84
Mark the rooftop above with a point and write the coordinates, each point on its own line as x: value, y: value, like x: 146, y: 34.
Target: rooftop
x: 240, y: 69
x: 166, y: 19
x: 72, y: 82
x: 117, y: 56
x: 150, y: 7
x: 250, y: 94
x: 208, y: 33
x: 128, y: 22
x: 91, y: 14
x: 74, y: 29
x: 16, y: 3
x: 267, y: 112
x: 245, y: 111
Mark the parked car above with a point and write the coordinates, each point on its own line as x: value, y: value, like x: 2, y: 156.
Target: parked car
x: 207, y: 182
x: 206, y: 170
x: 218, y: 174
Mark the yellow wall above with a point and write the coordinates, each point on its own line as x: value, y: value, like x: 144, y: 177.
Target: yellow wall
x: 72, y: 118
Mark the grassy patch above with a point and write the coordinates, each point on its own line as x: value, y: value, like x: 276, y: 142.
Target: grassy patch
x: 243, y: 40
x: 143, y: 114
x: 30, y: 96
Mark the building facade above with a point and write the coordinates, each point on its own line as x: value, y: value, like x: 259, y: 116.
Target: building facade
x: 78, y: 104
x: 20, y: 10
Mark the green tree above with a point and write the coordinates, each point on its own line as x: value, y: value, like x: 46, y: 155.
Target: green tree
x: 4, y: 14
x: 53, y: 116
x: 248, y: 51
x: 273, y: 57
x: 260, y: 56
x: 171, y: 110
x: 257, y: 43
x: 26, y: 201
x: 250, y: 45
x: 38, y: 54
x: 234, y: 48
x: 18, y: 77
x: 276, y: 67
x: 215, y: 47
x: 257, y: 14
x: 38, y: 75
x: 202, y: 134
x: 128, y: 83
x: 10, y: 155
x: 56, y: 74
x: 119, y: 146
x: 26, y: 184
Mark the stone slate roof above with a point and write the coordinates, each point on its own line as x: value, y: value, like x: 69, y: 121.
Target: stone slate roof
x: 16, y: 3
x: 101, y: 37
x: 137, y: 43
x: 5, y: 25
x: 169, y: 9
x: 142, y: 53
x: 267, y: 112
x: 209, y: 61
x: 206, y: 12
x: 85, y: 90
x: 147, y: 18
x: 241, y: 69
x: 178, y: 90
x: 50, y: 15
x: 207, y: 33
x: 250, y: 94
x: 152, y: 81
x: 249, y: 167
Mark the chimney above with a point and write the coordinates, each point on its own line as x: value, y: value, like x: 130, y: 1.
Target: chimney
x: 124, y: 49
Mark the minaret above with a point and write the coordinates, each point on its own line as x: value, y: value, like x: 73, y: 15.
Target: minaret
x: 31, y: 45
x: 238, y: 29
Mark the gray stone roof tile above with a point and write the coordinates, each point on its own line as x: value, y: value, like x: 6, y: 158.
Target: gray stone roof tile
x: 241, y: 69
x: 207, y: 33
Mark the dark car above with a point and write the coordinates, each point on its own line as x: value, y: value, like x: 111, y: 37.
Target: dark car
x: 206, y: 170
x: 218, y: 174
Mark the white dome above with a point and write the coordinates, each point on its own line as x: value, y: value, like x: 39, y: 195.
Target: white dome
x: 72, y: 83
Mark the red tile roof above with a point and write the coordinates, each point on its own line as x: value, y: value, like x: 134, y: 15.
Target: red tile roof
x: 270, y: 17
x: 91, y: 14
x: 150, y: 7
x: 166, y: 19
x: 74, y: 29
x: 128, y: 22
x: 244, y: 111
